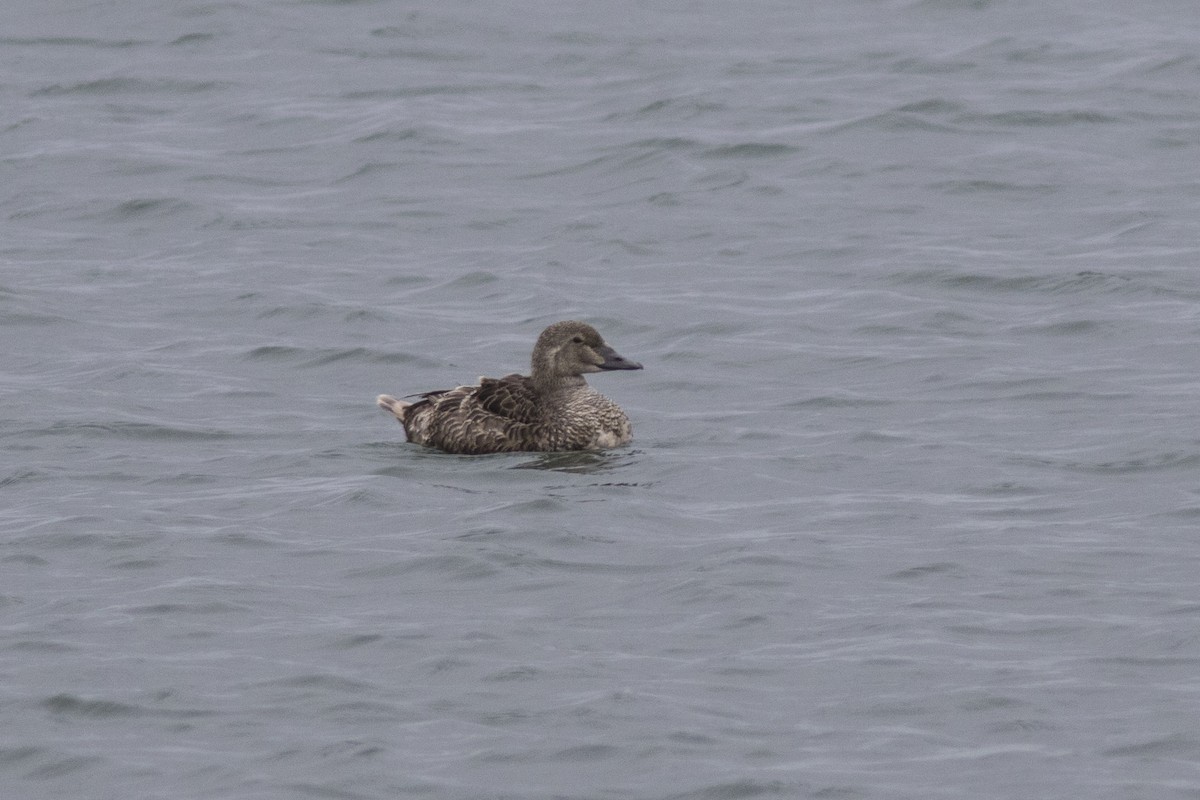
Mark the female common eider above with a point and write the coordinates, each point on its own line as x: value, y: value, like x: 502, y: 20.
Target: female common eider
x: 552, y: 408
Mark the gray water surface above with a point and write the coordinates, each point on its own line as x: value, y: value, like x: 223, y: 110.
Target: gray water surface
x: 913, y: 504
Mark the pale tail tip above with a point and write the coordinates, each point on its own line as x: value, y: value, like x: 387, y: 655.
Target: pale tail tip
x: 391, y: 404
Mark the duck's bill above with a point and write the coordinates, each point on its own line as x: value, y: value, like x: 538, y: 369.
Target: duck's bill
x: 614, y: 360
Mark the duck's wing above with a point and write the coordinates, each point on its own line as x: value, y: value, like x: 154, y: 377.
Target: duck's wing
x: 511, y: 398
x: 435, y: 394
x: 496, y: 415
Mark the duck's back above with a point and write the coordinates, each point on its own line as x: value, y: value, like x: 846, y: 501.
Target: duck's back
x: 508, y: 414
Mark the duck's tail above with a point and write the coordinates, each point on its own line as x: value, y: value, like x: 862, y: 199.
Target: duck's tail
x: 396, y: 408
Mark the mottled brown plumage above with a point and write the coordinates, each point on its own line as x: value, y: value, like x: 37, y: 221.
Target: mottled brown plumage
x: 552, y: 408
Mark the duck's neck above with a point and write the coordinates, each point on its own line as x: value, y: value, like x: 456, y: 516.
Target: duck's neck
x: 555, y: 384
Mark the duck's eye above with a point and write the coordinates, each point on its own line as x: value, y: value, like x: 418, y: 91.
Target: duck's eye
x: 577, y: 340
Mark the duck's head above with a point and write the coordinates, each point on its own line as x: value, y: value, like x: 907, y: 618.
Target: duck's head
x: 570, y: 349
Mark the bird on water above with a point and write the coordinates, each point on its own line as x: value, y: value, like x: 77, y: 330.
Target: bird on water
x: 551, y: 409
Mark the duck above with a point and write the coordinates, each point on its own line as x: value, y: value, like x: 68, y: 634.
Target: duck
x: 551, y: 409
